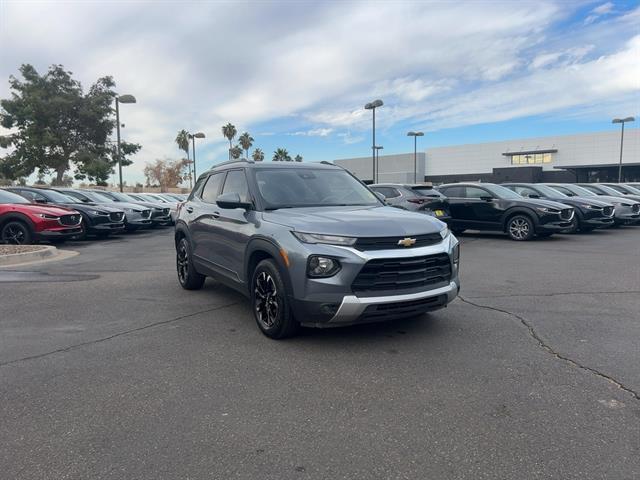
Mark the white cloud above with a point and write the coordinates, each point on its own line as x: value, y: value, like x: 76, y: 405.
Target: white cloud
x: 315, y: 132
x: 599, y: 11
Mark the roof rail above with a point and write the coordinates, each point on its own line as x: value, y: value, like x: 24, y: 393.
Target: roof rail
x: 229, y: 162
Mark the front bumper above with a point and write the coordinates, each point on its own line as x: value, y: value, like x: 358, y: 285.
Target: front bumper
x: 59, y: 233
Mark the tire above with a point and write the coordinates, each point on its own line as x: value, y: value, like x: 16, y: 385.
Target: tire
x: 575, y: 226
x: 269, y: 302
x: 520, y: 228
x: 188, y: 277
x: 16, y: 233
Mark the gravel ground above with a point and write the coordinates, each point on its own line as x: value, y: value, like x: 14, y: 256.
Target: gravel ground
x: 13, y: 249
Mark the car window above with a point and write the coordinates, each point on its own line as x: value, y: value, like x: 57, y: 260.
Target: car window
x: 475, y: 192
x: 453, y: 192
x: 236, y: 182
x: 388, y: 192
x: 32, y: 196
x: 524, y: 191
x: 426, y: 192
x: 212, y: 187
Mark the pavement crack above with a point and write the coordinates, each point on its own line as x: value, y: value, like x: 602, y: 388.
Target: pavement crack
x: 557, y: 294
x: 115, y: 335
x: 545, y: 346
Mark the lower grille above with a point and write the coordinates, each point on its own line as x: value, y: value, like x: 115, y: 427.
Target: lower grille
x: 607, y: 211
x: 403, y: 273
x: 401, y: 309
x: 70, y: 219
x: 389, y: 243
x: 566, y: 213
x: 116, y: 216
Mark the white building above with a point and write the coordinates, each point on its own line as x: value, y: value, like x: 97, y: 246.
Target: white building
x: 584, y: 157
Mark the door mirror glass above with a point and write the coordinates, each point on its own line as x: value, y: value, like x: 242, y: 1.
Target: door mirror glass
x: 40, y: 200
x: 232, y: 200
x: 486, y: 198
x: 533, y: 195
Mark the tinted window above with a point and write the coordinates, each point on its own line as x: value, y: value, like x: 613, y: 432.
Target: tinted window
x: 212, y: 188
x: 388, y: 192
x: 454, y: 192
x: 8, y: 197
x: 475, y: 192
x: 524, y: 191
x: 426, y: 192
x: 236, y: 182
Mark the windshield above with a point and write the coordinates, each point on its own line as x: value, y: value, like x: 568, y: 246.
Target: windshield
x: 305, y: 187
x: 503, y: 192
x: 633, y: 190
x: 580, y: 191
x: 8, y: 197
x: 57, y: 197
x: 96, y: 197
x: 550, y: 192
x: 609, y: 191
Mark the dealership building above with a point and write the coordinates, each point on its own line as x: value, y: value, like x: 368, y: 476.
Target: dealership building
x: 589, y: 157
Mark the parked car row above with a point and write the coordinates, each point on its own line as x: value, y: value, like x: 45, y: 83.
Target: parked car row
x: 29, y: 214
x: 522, y: 210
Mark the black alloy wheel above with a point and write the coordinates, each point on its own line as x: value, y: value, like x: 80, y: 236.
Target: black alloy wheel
x: 270, y: 304
x: 520, y: 228
x: 16, y: 233
x: 188, y: 277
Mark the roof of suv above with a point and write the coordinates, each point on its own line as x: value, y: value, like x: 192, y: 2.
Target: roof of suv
x: 258, y: 165
x: 405, y: 185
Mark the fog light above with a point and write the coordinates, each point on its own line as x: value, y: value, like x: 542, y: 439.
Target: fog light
x: 322, y: 267
x: 329, y: 308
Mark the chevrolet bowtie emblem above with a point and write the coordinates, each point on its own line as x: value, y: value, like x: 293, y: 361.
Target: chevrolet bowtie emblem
x: 407, y: 242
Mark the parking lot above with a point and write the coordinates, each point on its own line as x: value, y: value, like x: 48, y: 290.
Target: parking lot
x: 110, y: 370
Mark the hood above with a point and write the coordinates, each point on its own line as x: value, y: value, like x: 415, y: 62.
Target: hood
x: 578, y: 201
x: 151, y: 205
x: 624, y: 200
x: 120, y: 206
x: 355, y: 221
x: 48, y: 209
x: 536, y: 202
x: 87, y: 207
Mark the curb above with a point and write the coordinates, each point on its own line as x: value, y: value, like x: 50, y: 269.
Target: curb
x: 44, y: 253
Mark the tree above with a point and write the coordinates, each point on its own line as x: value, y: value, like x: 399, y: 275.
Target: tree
x: 166, y: 173
x: 98, y: 170
x: 182, y: 140
x: 56, y: 125
x: 298, y: 158
x: 236, y: 152
x: 258, y: 155
x: 229, y: 132
x: 281, y: 155
x: 245, y: 140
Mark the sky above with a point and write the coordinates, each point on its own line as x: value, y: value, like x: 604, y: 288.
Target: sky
x: 296, y: 74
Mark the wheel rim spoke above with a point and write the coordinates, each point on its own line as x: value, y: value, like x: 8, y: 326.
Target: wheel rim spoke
x: 266, y: 300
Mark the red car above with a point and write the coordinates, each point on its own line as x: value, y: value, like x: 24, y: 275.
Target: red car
x: 22, y: 222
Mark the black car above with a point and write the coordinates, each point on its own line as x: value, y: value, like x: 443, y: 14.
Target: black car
x: 160, y: 214
x: 416, y: 198
x: 589, y: 213
x: 492, y: 207
x: 97, y: 220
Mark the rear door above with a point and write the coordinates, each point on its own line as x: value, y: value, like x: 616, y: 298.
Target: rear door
x: 461, y: 215
x: 485, y: 213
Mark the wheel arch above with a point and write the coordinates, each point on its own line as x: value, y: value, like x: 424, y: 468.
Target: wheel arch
x: 509, y: 214
x: 261, y: 249
x: 7, y: 217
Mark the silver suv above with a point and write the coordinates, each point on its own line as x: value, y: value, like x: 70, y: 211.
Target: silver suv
x: 310, y: 245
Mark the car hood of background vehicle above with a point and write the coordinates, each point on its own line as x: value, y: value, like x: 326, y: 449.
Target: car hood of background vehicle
x: 48, y: 209
x: 623, y: 199
x: 542, y: 203
x: 356, y: 221
x: 152, y: 205
x: 584, y: 201
x: 120, y: 206
x: 87, y: 208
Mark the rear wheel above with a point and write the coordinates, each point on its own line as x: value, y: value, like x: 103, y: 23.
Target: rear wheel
x: 16, y: 233
x: 520, y: 228
x: 271, y: 307
x: 188, y: 277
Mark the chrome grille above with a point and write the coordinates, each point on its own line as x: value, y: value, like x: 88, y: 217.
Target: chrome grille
x: 607, y: 211
x: 146, y: 214
x: 116, y: 216
x: 635, y: 208
x: 566, y: 213
x: 391, y: 243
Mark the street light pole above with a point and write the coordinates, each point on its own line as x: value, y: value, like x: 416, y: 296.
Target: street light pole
x: 193, y: 142
x: 415, y: 136
x: 377, y: 170
x: 121, y: 99
x: 622, y: 121
x: 372, y: 106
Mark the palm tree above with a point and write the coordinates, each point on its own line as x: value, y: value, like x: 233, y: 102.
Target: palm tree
x: 182, y: 140
x: 298, y: 158
x: 229, y: 131
x: 258, y: 155
x: 235, y: 152
x: 245, y: 141
x: 281, y: 155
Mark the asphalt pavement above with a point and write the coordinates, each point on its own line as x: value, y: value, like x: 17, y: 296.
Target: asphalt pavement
x: 108, y: 369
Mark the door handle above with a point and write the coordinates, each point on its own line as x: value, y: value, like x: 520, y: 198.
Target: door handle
x: 189, y: 209
x: 215, y: 214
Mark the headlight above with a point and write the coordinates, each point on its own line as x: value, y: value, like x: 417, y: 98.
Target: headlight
x: 322, y: 267
x: 46, y: 216
x: 95, y: 212
x: 590, y: 207
x: 547, y: 210
x: 326, y: 239
x: 444, y: 233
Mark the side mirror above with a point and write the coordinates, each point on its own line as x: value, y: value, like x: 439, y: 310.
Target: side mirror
x: 533, y: 195
x: 381, y: 197
x: 486, y: 199
x: 232, y: 200
x: 40, y: 200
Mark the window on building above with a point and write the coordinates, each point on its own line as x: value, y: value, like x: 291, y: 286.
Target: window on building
x: 530, y: 158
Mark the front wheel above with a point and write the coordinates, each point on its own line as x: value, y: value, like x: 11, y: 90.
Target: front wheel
x: 520, y: 228
x: 16, y: 233
x: 188, y: 277
x: 270, y: 303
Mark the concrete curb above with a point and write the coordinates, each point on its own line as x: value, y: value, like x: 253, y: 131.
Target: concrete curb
x: 44, y: 253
